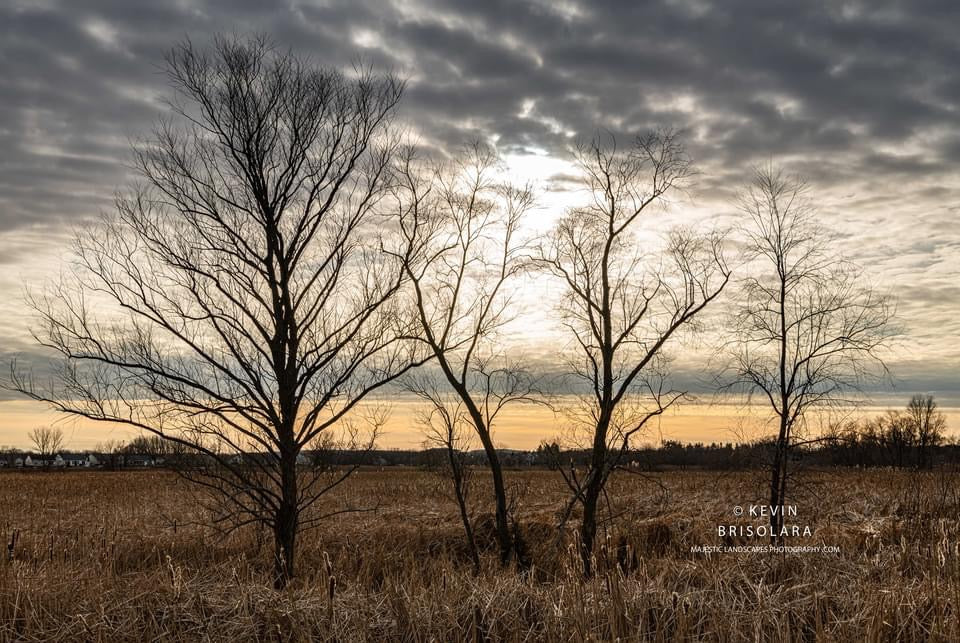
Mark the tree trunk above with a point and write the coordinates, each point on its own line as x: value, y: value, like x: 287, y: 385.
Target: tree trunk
x: 783, y: 496
x: 774, y: 494
x: 778, y: 479
x: 588, y: 526
x: 483, y: 432
x: 456, y: 469
x: 500, y: 495
x: 499, y: 489
x: 591, y: 496
x: 286, y: 523
x: 778, y: 483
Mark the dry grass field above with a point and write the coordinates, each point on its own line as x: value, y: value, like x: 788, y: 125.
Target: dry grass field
x: 127, y: 556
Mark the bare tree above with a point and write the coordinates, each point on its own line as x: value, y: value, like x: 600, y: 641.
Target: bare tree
x: 48, y: 441
x: 928, y: 426
x: 240, y: 304
x: 461, y: 224
x: 807, y: 333
x: 110, y: 454
x: 622, y: 306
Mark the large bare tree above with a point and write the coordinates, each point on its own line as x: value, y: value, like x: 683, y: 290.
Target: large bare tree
x: 461, y: 220
x: 807, y: 332
x: 625, y: 300
x: 240, y: 303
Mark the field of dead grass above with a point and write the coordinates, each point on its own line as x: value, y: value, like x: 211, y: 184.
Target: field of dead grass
x: 128, y: 556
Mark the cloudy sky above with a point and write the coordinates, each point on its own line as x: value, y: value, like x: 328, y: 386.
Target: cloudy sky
x: 860, y: 97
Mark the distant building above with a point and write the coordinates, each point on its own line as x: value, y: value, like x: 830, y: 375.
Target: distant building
x: 66, y: 460
x: 11, y: 461
x: 138, y: 460
x: 72, y: 460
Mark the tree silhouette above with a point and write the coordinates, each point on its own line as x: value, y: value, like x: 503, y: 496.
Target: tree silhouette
x: 622, y: 306
x: 807, y: 333
x: 461, y: 222
x: 239, y: 303
x: 48, y: 441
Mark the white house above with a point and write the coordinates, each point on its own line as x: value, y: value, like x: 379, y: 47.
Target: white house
x: 61, y: 460
x: 72, y: 460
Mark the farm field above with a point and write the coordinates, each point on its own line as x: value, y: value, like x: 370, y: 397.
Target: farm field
x: 115, y: 556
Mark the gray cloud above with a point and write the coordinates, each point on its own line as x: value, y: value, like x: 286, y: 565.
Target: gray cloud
x: 862, y: 97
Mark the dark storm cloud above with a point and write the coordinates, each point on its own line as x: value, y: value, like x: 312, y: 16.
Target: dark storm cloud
x: 862, y: 97
x: 760, y: 79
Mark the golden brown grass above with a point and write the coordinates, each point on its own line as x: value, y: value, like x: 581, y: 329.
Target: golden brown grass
x: 126, y: 556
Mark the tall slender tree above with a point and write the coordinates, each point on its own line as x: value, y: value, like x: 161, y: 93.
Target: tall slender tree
x: 461, y: 221
x: 807, y: 332
x: 623, y: 305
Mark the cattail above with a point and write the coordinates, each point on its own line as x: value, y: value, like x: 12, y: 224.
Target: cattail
x: 12, y: 545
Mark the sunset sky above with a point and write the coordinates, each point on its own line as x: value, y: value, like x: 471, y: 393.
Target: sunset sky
x: 861, y: 98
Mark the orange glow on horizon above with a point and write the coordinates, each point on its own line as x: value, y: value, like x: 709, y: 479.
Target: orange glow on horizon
x: 520, y: 427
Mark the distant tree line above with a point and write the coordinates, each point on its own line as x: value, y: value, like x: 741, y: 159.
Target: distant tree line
x: 912, y: 438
